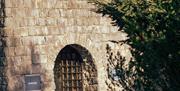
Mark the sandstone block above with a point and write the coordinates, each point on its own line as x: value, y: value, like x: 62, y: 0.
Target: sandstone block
x: 16, y: 84
x: 43, y: 49
x: 17, y: 61
x: 8, y: 3
x: 36, y: 59
x: 51, y: 21
x: 18, y: 41
x: 20, y: 12
x: 85, y: 21
x: 49, y: 39
x: 69, y: 13
x: 36, y: 69
x: 39, y: 40
x: 58, y: 5
x: 26, y: 59
x: 9, y: 22
x: 51, y: 3
x: 8, y: 12
x: 94, y: 21
x: 27, y: 3
x: 53, y: 30
x: 82, y: 4
x: 104, y: 29
x: 79, y: 21
x: 43, y: 12
x: 60, y: 39
x: 30, y: 21
x: 82, y: 12
x: 62, y: 12
x: 11, y: 51
x: 27, y: 40
x: 26, y: 66
x: 40, y: 22
x: 21, y: 32
x: 70, y: 21
x: 64, y: 4
x: 19, y: 51
x: 33, y: 31
x: 62, y: 21
x: 20, y: 4
x: 35, y: 12
x: 8, y: 32
x: 44, y: 30
x: 72, y: 4
x: 23, y: 22
x: 28, y: 50
x: 10, y: 42
x: 54, y: 13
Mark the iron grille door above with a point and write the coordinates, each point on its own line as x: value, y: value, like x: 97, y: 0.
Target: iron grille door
x: 70, y: 71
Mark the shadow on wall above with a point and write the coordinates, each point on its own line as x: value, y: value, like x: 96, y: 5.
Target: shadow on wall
x: 28, y: 71
x: 3, y: 82
x: 36, y: 68
x: 138, y: 75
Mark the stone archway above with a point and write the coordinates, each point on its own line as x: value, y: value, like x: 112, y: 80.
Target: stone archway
x: 75, y: 70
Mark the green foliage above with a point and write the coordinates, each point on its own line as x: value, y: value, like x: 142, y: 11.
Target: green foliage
x: 153, y: 28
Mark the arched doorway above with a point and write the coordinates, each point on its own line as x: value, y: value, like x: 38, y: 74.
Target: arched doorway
x: 74, y: 70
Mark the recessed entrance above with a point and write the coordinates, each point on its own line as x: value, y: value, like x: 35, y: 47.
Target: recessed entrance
x: 74, y: 70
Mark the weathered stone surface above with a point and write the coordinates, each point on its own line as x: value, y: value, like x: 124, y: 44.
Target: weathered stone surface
x: 35, y: 32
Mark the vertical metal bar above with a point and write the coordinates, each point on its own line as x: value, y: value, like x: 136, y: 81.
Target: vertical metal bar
x: 67, y: 75
x: 81, y: 65
x: 72, y: 74
x: 61, y: 75
x: 76, y: 76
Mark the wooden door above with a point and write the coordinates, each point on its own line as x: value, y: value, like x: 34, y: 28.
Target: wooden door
x: 68, y: 71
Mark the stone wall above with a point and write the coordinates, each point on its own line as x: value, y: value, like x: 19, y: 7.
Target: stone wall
x: 36, y: 30
x: 118, y: 66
